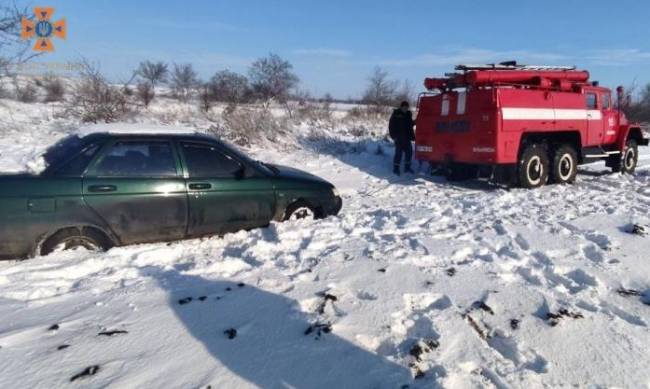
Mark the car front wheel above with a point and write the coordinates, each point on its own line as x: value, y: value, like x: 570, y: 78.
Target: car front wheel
x: 300, y: 210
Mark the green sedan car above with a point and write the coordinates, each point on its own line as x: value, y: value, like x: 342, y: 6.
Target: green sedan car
x: 112, y: 189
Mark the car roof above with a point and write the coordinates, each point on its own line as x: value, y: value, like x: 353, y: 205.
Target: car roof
x: 148, y: 135
x: 119, y: 130
x: 75, y: 142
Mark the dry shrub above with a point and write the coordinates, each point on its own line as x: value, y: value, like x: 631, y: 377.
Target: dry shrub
x: 249, y: 125
x: 26, y: 92
x: 145, y: 93
x: 54, y: 88
x: 355, y: 113
x: 314, y: 112
x: 4, y: 93
x: 94, y: 100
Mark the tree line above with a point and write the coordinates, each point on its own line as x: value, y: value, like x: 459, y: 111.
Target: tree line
x: 269, y: 78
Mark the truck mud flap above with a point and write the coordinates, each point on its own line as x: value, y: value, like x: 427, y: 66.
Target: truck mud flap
x: 505, y: 174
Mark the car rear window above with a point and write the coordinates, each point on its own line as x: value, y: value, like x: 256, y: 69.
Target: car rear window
x: 77, y: 165
x: 63, y: 149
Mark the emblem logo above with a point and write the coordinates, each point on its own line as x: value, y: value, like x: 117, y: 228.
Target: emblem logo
x: 43, y: 29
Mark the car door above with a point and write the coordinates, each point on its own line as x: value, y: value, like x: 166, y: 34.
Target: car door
x: 137, y: 187
x: 594, y: 120
x: 225, y: 193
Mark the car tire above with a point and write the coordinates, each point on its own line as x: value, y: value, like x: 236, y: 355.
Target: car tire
x: 626, y: 164
x: 532, y: 168
x: 71, y: 238
x: 300, y: 210
x: 565, y: 165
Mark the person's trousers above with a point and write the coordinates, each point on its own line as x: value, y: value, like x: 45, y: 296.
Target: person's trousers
x: 404, y: 149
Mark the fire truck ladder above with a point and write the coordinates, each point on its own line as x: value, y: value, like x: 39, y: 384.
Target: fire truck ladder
x: 512, y: 65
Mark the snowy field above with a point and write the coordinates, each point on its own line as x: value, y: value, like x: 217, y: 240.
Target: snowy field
x: 461, y: 285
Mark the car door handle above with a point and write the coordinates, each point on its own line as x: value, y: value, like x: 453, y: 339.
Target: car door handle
x: 200, y: 186
x: 102, y: 188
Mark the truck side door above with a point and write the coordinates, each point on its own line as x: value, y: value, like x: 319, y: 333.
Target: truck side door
x: 610, y: 119
x: 224, y: 194
x: 594, y: 119
x: 137, y: 188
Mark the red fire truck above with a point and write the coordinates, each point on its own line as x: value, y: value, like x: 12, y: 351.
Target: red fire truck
x: 524, y: 125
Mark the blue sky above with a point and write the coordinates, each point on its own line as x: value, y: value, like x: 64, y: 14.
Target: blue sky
x: 335, y: 44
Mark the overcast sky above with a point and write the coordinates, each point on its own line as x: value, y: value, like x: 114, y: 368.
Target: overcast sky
x: 334, y: 44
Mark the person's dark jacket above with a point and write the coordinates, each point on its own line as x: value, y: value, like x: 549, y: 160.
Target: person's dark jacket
x: 400, y: 126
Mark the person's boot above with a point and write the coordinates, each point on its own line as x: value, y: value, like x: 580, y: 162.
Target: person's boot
x: 396, y: 170
x: 407, y: 169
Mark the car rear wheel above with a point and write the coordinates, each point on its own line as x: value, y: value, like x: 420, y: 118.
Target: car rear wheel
x: 565, y: 165
x: 300, y: 210
x: 532, y: 167
x: 72, y: 238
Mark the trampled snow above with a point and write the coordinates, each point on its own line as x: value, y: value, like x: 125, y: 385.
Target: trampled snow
x: 460, y: 284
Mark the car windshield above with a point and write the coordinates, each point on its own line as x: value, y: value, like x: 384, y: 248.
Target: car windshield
x: 239, y: 154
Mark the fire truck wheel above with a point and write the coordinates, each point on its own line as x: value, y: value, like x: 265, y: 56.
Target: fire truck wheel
x: 565, y: 165
x: 630, y: 157
x: 533, y: 167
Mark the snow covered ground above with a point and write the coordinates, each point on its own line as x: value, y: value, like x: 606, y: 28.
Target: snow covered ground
x: 462, y: 285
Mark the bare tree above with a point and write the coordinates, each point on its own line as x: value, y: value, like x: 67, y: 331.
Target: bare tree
x: 145, y: 93
x: 205, y: 97
x: 272, y: 78
x: 229, y: 87
x: 94, y: 99
x: 381, y: 90
x: 637, y: 105
x: 150, y: 74
x: 12, y: 48
x: 153, y: 72
x: 327, y: 98
x: 405, y: 92
x: 183, y: 81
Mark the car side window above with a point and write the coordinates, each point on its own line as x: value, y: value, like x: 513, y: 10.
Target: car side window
x: 137, y: 159
x: 592, y: 101
x: 606, y: 101
x: 208, y: 161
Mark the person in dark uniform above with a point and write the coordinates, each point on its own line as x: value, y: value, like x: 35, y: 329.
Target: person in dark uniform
x: 401, y: 131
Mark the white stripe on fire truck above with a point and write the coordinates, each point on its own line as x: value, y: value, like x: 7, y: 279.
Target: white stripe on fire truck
x: 510, y: 113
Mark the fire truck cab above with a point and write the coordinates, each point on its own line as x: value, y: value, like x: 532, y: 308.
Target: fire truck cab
x: 522, y: 125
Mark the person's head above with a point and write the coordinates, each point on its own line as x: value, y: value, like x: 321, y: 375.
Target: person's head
x: 404, y: 106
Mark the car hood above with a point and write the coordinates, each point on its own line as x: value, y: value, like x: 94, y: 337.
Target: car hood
x: 286, y: 172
